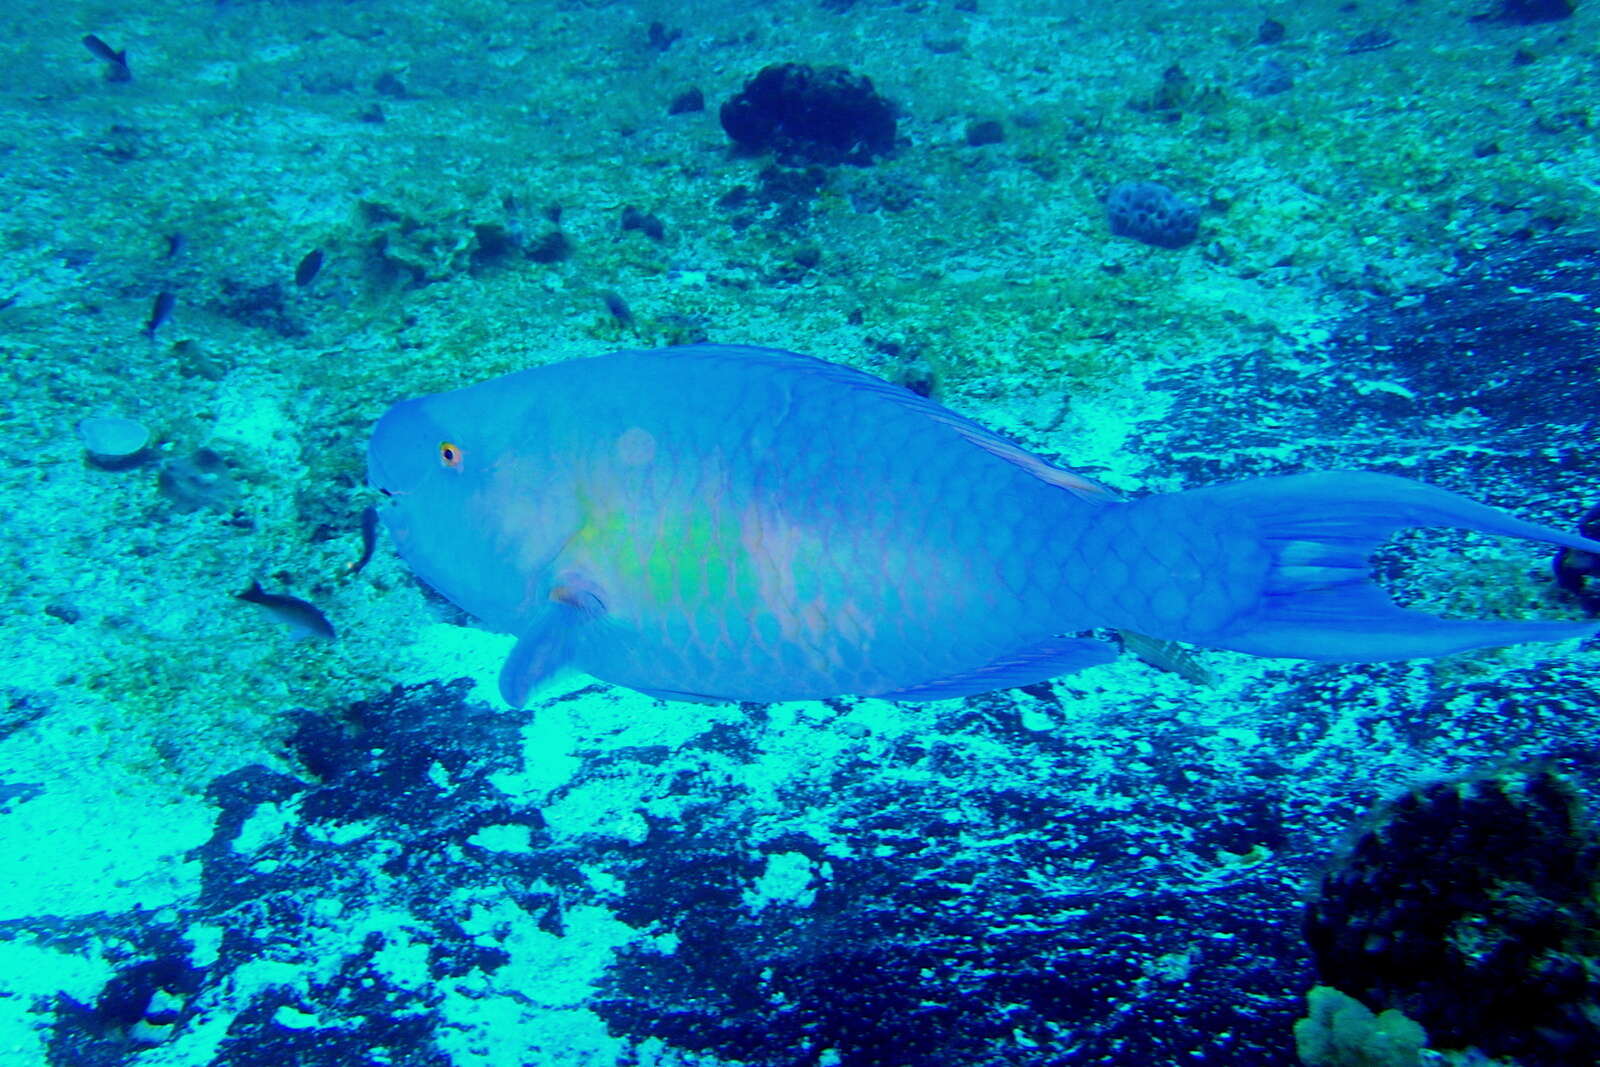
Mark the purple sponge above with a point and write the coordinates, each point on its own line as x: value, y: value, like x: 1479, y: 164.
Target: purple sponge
x: 1152, y: 213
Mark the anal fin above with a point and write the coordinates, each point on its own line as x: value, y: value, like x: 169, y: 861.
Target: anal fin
x: 686, y: 697
x: 1049, y: 658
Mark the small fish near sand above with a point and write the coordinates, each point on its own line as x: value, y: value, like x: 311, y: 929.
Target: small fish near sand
x: 305, y: 272
x: 369, y: 541
x: 721, y: 523
x: 618, y: 309
x: 161, y: 309
x: 302, y: 617
x: 1578, y: 573
x: 117, y: 69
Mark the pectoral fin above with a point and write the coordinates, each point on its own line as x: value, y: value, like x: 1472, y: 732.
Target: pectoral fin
x: 547, y: 644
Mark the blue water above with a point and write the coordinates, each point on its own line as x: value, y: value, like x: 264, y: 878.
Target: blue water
x: 227, y: 840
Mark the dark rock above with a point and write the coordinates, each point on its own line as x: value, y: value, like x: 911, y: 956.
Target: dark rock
x: 660, y: 38
x: 388, y: 84
x: 647, y: 224
x: 986, y: 132
x: 63, y: 610
x: 1529, y: 12
x: 492, y: 244
x: 687, y: 101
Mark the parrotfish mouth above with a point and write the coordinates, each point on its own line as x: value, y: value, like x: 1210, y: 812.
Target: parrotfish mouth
x: 385, y: 484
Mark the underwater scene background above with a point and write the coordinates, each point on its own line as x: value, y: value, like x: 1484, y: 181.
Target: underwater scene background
x: 1167, y: 244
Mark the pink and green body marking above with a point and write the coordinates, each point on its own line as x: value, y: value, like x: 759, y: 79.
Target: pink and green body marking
x: 730, y: 523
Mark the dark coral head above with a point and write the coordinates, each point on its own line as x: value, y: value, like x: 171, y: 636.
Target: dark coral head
x: 806, y: 114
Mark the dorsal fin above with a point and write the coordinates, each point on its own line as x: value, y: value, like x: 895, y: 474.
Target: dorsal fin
x: 970, y: 431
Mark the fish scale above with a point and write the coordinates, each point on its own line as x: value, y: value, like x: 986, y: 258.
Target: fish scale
x: 721, y: 522
x: 846, y: 540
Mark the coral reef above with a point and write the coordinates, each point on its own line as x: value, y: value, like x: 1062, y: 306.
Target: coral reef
x: 1340, y: 1031
x: 825, y: 115
x: 1472, y: 908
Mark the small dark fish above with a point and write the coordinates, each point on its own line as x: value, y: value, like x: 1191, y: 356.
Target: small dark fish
x: 369, y: 540
x: 305, y: 619
x: 309, y: 265
x: 1371, y: 41
x: 176, y: 243
x: 1577, y: 571
x: 647, y: 224
x: 160, y: 313
x: 660, y: 37
x: 686, y: 102
x: 1168, y: 656
x: 618, y: 307
x: 116, y: 62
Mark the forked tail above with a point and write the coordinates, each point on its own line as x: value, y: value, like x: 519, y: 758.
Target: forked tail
x: 1292, y: 574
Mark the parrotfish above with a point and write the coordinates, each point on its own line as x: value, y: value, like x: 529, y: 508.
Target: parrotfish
x: 719, y: 523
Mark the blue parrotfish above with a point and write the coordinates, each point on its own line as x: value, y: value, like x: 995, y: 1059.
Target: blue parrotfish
x: 720, y: 523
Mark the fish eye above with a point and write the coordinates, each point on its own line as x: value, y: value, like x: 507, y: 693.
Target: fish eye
x: 450, y: 455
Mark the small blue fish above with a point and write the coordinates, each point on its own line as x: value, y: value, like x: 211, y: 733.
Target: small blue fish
x: 117, y: 69
x: 369, y: 541
x: 306, y: 270
x: 718, y: 522
x: 160, y: 313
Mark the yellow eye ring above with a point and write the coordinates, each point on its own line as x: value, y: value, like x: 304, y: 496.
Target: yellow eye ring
x: 450, y: 455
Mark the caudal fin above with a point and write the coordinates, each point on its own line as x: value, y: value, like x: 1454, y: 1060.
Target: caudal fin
x: 1318, y: 600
